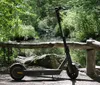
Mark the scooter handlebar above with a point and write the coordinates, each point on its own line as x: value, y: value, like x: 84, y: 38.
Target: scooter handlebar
x: 60, y: 8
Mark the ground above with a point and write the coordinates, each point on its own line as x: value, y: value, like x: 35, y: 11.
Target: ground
x: 61, y: 79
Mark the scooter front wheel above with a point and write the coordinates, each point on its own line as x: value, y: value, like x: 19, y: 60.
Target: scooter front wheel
x: 16, y: 71
x: 74, y: 73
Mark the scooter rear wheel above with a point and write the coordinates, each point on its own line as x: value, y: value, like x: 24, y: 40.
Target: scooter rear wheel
x: 16, y: 71
x: 74, y: 73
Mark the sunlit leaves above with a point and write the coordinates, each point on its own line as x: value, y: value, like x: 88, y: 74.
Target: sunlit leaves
x: 10, y: 13
x: 84, y: 19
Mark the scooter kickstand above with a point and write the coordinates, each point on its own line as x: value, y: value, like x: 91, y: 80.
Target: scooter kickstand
x: 53, y: 78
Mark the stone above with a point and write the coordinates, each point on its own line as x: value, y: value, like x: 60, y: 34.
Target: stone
x: 46, y: 60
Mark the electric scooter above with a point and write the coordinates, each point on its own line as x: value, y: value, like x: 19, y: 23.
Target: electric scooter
x: 18, y: 71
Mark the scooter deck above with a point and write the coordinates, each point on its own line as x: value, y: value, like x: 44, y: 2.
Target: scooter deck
x: 42, y: 72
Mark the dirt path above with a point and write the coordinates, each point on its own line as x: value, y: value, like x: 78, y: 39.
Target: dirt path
x: 61, y: 79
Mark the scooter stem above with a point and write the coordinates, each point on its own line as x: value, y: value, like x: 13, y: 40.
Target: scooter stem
x: 66, y: 48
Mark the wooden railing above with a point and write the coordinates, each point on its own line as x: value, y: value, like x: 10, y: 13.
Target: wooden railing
x: 90, y: 45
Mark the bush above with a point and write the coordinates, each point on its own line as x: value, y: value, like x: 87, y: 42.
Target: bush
x: 79, y: 56
x: 24, y: 33
x: 42, y: 51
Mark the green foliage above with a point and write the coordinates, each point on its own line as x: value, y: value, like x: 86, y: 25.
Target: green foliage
x: 46, y: 27
x: 84, y: 19
x: 10, y: 12
x: 7, y: 55
x: 42, y: 51
x: 79, y: 56
x: 24, y: 32
x: 65, y: 30
x: 98, y: 58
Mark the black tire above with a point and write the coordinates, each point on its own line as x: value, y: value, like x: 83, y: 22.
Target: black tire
x: 74, y: 74
x: 14, y: 69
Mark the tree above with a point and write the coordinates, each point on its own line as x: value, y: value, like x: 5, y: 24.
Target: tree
x: 10, y: 21
x: 84, y: 18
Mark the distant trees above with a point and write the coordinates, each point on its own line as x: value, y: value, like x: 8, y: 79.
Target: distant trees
x: 84, y: 18
x: 81, y: 21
